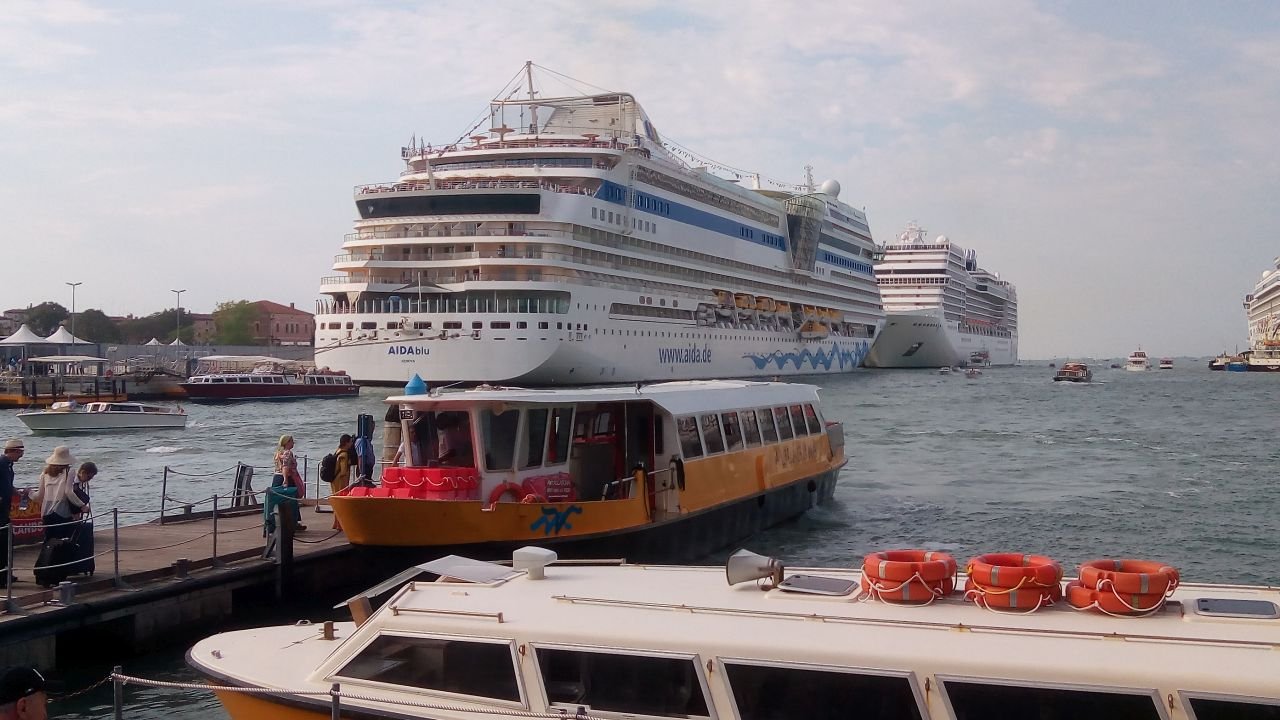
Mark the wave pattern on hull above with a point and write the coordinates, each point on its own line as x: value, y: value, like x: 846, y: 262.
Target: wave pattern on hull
x: 821, y: 359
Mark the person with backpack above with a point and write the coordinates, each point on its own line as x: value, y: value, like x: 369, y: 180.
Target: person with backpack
x: 335, y: 468
x: 365, y: 456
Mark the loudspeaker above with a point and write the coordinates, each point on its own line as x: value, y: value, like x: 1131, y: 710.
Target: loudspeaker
x: 745, y: 565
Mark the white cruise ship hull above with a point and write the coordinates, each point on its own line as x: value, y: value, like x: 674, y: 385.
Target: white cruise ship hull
x: 923, y: 340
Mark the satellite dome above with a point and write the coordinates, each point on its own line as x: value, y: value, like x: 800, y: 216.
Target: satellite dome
x: 830, y: 187
x: 942, y: 240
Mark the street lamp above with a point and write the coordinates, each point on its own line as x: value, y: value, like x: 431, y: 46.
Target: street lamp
x: 177, y: 335
x: 73, y: 305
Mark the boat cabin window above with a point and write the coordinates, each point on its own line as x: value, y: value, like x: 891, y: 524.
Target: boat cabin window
x: 764, y: 692
x: 1225, y: 708
x: 498, y: 435
x: 690, y: 443
x: 442, y: 439
x: 977, y: 700
x: 732, y: 431
x: 560, y: 436
x: 812, y: 419
x: 768, y: 431
x: 711, y: 438
x: 750, y: 429
x: 465, y: 667
x: 797, y: 421
x: 784, y: 424
x: 634, y: 684
x: 535, y: 432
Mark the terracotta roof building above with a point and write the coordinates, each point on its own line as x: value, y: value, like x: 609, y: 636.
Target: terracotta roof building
x: 283, y: 325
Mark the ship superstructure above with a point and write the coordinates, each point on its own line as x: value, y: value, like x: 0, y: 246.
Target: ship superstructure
x: 1262, y: 307
x: 568, y: 244
x: 942, y: 309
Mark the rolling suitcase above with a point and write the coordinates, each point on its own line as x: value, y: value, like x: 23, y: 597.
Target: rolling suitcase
x: 52, y: 562
x: 83, y: 541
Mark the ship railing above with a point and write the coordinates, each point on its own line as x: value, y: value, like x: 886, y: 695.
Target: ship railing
x: 436, y: 232
x: 415, y: 153
x: 374, y: 189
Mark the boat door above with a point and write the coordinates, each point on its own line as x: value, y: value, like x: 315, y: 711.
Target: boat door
x: 641, y: 436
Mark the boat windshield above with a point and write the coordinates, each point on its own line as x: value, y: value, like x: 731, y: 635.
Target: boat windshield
x: 441, y: 439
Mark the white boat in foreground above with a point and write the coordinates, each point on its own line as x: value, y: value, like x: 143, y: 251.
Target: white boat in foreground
x: 644, y: 641
x: 76, y: 417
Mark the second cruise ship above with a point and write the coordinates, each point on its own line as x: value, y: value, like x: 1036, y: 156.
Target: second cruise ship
x: 1262, y: 307
x: 941, y: 308
x: 562, y: 241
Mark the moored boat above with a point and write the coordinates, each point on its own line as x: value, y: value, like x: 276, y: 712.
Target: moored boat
x: 1219, y: 362
x: 1076, y: 372
x: 72, y: 416
x: 687, y: 466
x: 901, y: 636
x: 269, y: 379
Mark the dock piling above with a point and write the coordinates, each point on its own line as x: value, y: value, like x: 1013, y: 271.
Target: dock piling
x: 118, y: 581
x: 66, y: 592
x: 335, y: 702
x: 117, y: 696
x: 215, y: 562
x: 181, y: 569
x: 10, y: 606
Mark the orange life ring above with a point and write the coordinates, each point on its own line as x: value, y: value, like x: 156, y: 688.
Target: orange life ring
x: 913, y: 590
x: 1028, y: 597
x: 1011, y: 570
x: 1140, y: 577
x: 902, y: 565
x: 515, y: 490
x: 1110, y: 602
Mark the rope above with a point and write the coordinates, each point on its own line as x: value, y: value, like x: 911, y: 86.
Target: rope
x: 166, y: 547
x: 78, y: 693
x: 259, y: 690
x: 335, y: 534
x: 875, y: 589
x: 978, y: 598
x: 171, y: 471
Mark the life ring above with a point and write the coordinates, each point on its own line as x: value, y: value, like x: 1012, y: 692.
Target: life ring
x: 1011, y: 570
x: 677, y: 471
x: 1111, y: 602
x: 1007, y: 598
x: 913, y: 590
x: 1129, y: 576
x: 515, y: 490
x: 902, y: 565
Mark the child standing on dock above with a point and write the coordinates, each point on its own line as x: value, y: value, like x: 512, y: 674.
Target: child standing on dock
x: 286, y: 475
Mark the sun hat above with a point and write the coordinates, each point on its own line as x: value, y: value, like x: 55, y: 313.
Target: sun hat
x: 19, y: 682
x: 61, y: 456
x: 14, y: 444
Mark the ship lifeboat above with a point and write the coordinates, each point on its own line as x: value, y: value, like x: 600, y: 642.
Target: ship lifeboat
x: 813, y: 330
x: 908, y: 576
x: 765, y: 304
x: 1122, y: 587
x: 810, y: 312
x: 744, y: 301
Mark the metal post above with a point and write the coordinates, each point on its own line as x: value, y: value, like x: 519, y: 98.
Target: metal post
x: 164, y: 491
x: 9, y: 605
x: 115, y: 551
x: 335, y: 702
x: 284, y: 548
x: 117, y: 697
x: 216, y: 562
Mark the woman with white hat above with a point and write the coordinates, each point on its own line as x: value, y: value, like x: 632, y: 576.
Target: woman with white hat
x: 59, y: 503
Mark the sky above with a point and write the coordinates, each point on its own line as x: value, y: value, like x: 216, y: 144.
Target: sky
x: 1118, y: 162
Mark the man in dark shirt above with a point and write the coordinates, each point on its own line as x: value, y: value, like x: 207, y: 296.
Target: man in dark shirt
x: 13, y: 450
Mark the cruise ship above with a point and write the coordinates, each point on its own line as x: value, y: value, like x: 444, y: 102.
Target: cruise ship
x: 1262, y: 306
x: 567, y: 243
x: 942, y: 309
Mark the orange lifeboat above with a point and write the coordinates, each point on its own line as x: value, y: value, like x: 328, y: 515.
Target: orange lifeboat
x: 908, y: 576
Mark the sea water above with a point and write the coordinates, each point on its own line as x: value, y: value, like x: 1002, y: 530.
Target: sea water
x: 1176, y: 465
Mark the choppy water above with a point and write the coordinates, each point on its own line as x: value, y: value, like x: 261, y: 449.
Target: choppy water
x: 1171, y: 465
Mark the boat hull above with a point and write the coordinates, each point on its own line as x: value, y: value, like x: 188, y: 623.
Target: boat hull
x: 226, y: 392
x: 924, y: 340
x: 100, y: 422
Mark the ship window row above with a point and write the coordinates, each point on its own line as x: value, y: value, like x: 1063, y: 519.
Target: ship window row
x: 703, y: 195
x: 540, y: 162
x: 844, y: 262
x: 646, y: 683
x: 470, y: 204
x: 648, y: 311
x: 610, y: 216
x: 470, y: 301
x: 714, y: 433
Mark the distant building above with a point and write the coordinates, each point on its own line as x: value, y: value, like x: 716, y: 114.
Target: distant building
x: 283, y: 325
x: 10, y: 320
x: 202, y: 328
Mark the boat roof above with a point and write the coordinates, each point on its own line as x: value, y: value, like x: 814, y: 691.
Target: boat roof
x: 678, y: 397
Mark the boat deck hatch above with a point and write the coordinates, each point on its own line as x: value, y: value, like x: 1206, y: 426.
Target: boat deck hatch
x: 1235, y: 607
x: 818, y: 585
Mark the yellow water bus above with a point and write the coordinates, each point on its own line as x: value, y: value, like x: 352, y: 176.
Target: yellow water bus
x: 665, y: 470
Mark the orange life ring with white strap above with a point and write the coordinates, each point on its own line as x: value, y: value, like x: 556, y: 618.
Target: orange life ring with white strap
x: 1141, y: 577
x: 1011, y: 570
x: 903, y: 565
x: 1111, y: 602
x: 913, y: 590
x: 1028, y: 597
x: 513, y: 489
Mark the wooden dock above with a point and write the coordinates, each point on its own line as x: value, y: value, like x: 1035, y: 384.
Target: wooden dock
x: 169, y: 578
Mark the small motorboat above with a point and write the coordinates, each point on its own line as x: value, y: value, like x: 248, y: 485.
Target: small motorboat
x: 944, y: 370
x: 1166, y: 363
x: 88, y: 417
x: 1073, y: 372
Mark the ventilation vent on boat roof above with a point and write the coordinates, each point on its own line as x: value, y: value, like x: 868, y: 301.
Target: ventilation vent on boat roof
x: 1234, y: 607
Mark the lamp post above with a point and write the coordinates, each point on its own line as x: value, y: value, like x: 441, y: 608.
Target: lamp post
x: 177, y: 335
x: 73, y: 285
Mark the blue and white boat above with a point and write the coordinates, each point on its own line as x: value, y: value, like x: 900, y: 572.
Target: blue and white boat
x: 565, y: 242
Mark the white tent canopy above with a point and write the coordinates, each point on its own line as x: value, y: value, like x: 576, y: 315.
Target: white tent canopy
x: 178, y: 341
x: 23, y: 336
x: 63, y: 337
x: 153, y: 341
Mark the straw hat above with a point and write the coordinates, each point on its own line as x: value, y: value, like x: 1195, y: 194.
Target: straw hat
x: 61, y: 456
x: 14, y: 444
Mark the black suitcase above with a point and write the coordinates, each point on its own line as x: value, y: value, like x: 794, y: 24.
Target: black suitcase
x: 83, y: 539
x: 52, y: 562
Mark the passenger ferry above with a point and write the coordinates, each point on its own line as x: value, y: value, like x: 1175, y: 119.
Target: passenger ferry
x: 1076, y: 372
x: 755, y: 640
x: 941, y: 307
x: 566, y: 242
x: 1137, y: 361
x: 673, y: 469
x: 269, y: 379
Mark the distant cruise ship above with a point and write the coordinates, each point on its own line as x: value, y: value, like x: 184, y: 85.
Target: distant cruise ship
x: 1262, y: 306
x: 566, y: 243
x: 941, y: 308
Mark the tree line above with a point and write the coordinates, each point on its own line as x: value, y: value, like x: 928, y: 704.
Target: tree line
x: 232, y: 321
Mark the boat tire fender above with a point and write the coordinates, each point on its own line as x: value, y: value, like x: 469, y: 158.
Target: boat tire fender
x: 677, y: 471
